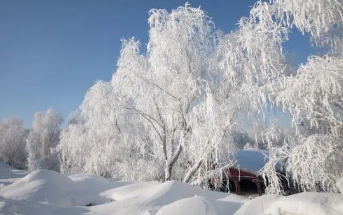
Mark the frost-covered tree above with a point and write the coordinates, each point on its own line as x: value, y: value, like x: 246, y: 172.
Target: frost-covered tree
x: 312, y: 95
x: 43, y: 139
x: 91, y: 143
x: 166, y: 114
x: 169, y: 91
x: 172, y: 112
x: 12, y: 143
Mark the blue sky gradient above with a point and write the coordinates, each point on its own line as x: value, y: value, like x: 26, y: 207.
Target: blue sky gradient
x: 51, y: 52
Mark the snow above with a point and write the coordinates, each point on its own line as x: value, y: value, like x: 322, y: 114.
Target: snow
x: 308, y: 203
x: 48, y: 192
x: 8, y: 175
x: 257, y: 206
x: 339, y: 185
x: 9, y: 207
x: 129, y: 191
x: 200, y: 205
x: 50, y: 187
x: 149, y: 197
x: 58, y: 189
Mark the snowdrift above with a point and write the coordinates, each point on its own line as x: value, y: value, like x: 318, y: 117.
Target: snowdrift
x: 47, y: 192
x: 149, y: 197
x: 8, y: 175
x: 310, y: 203
x: 13, y: 207
x: 50, y: 187
x: 199, y: 205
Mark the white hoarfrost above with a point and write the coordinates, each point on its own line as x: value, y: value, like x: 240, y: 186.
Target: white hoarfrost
x: 12, y: 143
x: 43, y: 139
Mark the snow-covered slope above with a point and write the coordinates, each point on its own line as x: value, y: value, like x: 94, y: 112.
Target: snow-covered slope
x: 8, y: 175
x: 47, y: 192
x: 54, y: 188
x: 14, y: 207
x: 49, y: 187
x: 149, y: 197
x: 310, y: 203
x: 199, y: 205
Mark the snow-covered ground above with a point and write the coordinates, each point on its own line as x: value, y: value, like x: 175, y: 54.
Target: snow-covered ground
x: 47, y: 192
x: 8, y: 175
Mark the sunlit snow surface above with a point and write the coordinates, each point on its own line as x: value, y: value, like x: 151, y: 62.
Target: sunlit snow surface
x: 47, y: 192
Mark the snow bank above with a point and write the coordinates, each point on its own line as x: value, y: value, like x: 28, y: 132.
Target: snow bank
x: 8, y: 175
x: 48, y: 192
x: 9, y: 206
x: 5, y: 170
x: 53, y: 188
x: 174, y: 190
x: 310, y: 203
x: 257, y: 206
x: 148, y: 198
x: 339, y: 185
x: 199, y: 205
x: 96, y: 184
x: 129, y: 191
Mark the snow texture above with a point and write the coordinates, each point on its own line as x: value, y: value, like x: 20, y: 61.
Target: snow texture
x: 48, y: 192
x: 8, y: 175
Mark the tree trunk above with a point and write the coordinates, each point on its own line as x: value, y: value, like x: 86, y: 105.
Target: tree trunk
x: 170, y: 163
x: 167, y: 171
x: 192, y: 171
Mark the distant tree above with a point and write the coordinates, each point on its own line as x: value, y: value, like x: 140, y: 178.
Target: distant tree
x: 75, y: 117
x: 43, y: 139
x: 12, y: 143
x: 91, y: 141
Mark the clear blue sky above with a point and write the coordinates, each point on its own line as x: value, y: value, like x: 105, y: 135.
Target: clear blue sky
x: 51, y: 52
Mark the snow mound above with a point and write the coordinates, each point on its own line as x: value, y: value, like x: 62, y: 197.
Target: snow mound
x: 5, y: 170
x: 129, y: 191
x: 257, y: 206
x: 339, y: 185
x: 148, y: 198
x: 234, y: 198
x: 310, y: 203
x: 9, y: 206
x: 48, y: 192
x: 51, y: 187
x: 96, y: 184
x: 199, y: 205
x: 174, y: 190
x: 8, y: 175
